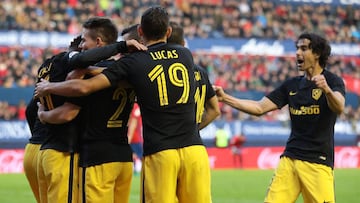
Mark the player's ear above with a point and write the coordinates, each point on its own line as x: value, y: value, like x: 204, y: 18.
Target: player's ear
x: 99, y: 42
x: 317, y: 56
x: 168, y: 32
x: 140, y: 31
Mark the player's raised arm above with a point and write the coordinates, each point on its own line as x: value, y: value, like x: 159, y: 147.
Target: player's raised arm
x: 72, y: 88
x: 252, y: 107
x: 92, y: 56
x: 80, y: 73
x: 335, y: 99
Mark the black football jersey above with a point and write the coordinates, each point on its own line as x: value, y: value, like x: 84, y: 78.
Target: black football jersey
x: 39, y: 131
x: 164, y: 81
x: 106, y: 115
x: 62, y: 137
x: 204, y: 91
x: 312, y: 121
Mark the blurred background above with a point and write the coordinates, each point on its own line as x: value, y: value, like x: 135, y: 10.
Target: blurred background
x: 247, y: 47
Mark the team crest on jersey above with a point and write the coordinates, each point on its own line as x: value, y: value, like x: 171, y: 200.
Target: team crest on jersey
x: 316, y: 94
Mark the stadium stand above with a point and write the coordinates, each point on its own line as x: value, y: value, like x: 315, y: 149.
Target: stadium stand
x: 216, y: 18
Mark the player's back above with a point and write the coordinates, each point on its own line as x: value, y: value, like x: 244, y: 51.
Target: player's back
x: 163, y: 78
x: 108, y: 110
x: 62, y: 137
x: 106, y: 115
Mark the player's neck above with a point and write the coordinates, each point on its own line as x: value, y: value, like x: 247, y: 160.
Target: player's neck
x: 151, y: 42
x: 311, y: 72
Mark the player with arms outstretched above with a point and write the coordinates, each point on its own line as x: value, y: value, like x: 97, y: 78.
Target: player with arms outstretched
x: 315, y: 99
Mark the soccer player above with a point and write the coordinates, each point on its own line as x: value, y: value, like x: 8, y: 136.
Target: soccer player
x: 38, y: 134
x: 57, y: 159
x: 131, y: 33
x: 315, y: 99
x: 175, y: 166
x: 104, y: 149
x: 207, y: 106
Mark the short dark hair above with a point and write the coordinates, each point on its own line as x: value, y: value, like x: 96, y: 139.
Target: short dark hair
x: 74, y: 44
x: 319, y: 45
x: 154, y: 22
x: 132, y: 31
x: 103, y: 28
x: 177, y: 34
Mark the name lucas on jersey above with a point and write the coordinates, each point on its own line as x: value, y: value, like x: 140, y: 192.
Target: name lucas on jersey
x: 164, y: 54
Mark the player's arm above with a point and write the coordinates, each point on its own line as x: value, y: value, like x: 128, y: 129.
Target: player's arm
x: 92, y: 56
x: 212, y: 111
x: 252, y: 107
x: 80, y: 73
x: 335, y: 99
x: 62, y: 114
x: 72, y: 88
x: 94, y: 70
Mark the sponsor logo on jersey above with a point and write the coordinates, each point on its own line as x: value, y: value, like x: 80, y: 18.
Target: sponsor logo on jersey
x: 305, y: 110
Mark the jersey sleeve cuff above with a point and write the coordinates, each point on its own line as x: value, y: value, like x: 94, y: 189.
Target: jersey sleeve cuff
x: 121, y: 47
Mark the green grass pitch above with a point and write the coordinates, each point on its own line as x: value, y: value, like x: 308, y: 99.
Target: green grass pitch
x: 228, y: 186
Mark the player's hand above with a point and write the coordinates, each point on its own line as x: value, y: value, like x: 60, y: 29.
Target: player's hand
x: 76, y: 74
x: 40, y: 88
x: 41, y: 109
x: 321, y: 83
x: 219, y: 92
x: 133, y: 45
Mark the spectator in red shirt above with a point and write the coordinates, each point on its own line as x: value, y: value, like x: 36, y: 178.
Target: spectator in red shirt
x: 236, y: 144
x: 21, y: 110
x: 135, y: 137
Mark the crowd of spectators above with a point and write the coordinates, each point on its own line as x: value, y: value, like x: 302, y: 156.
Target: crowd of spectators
x: 216, y: 19
x: 235, y: 73
x: 12, y: 112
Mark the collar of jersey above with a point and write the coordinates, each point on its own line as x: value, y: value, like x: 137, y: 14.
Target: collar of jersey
x: 304, y: 82
x: 157, y: 45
